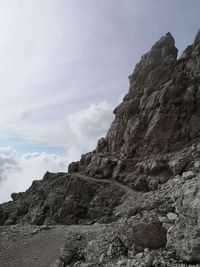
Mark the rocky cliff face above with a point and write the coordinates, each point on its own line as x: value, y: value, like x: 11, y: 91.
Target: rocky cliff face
x: 139, y: 189
x: 160, y: 114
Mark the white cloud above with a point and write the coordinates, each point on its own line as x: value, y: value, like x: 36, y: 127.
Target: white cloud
x: 16, y: 175
x: 7, y: 161
x: 84, y: 126
x: 79, y: 131
x: 88, y: 125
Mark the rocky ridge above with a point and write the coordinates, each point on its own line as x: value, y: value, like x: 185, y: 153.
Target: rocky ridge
x: 135, y: 199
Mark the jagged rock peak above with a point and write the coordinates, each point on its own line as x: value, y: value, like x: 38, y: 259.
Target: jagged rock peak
x: 193, y: 49
x: 197, y: 39
x: 166, y: 41
x: 161, y: 88
x: 163, y: 50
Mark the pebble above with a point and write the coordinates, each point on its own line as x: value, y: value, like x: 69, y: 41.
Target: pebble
x: 188, y: 175
x: 102, y: 257
x: 139, y: 255
x: 121, y: 263
x: 163, y: 219
x: 172, y: 216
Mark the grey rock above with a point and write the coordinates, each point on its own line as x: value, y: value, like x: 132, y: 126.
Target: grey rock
x: 178, y: 166
x: 93, y: 250
x: 139, y: 255
x: 102, y: 258
x: 57, y: 263
x: 121, y: 263
x: 185, y: 235
x: 149, y: 260
x: 172, y: 216
x: 148, y: 235
x: 73, y: 167
x: 188, y: 175
x: 64, y: 199
x: 140, y: 187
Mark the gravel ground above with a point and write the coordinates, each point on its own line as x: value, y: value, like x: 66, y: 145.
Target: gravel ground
x: 30, y: 246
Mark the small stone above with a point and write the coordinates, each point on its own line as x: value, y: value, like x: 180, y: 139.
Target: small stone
x: 109, y: 251
x: 177, y: 179
x: 156, y: 262
x: 44, y: 227
x: 172, y: 216
x: 78, y: 237
x: 155, y: 253
x: 102, y: 258
x: 35, y: 231
x: 57, y: 263
x: 167, y: 225
x: 197, y: 164
x: 163, y: 219
x: 133, y: 262
x: 146, y: 250
x: 121, y: 263
x: 188, y: 175
x: 146, y: 253
x: 149, y: 260
x: 131, y: 254
x: 170, y: 229
x: 177, y: 166
x: 139, y: 255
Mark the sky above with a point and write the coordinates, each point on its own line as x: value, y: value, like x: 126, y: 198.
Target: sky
x: 64, y: 66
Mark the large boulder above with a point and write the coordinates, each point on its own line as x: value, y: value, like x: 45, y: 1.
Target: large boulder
x: 150, y: 235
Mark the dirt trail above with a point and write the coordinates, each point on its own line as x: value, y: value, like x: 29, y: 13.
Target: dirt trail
x: 111, y: 182
x: 21, y: 248
x: 30, y: 246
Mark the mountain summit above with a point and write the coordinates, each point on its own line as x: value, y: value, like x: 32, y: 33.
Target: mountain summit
x: 134, y: 200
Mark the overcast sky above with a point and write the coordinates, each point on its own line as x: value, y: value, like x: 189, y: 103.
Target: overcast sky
x: 63, y: 68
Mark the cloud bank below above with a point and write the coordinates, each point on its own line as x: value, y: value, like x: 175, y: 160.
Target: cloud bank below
x: 17, y: 174
x: 80, y: 132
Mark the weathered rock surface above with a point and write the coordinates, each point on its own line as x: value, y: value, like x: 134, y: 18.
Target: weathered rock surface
x: 139, y: 190
x: 63, y: 199
x: 186, y: 231
x: 151, y: 235
x: 159, y: 115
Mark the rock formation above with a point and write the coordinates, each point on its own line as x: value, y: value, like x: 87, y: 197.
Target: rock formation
x: 139, y: 190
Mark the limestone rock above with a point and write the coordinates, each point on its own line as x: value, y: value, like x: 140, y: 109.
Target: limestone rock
x: 178, y: 166
x: 64, y: 199
x: 185, y: 236
x: 188, y: 175
x: 134, y: 200
x: 159, y: 115
x: 172, y: 216
x: 73, y: 167
x: 148, y: 236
